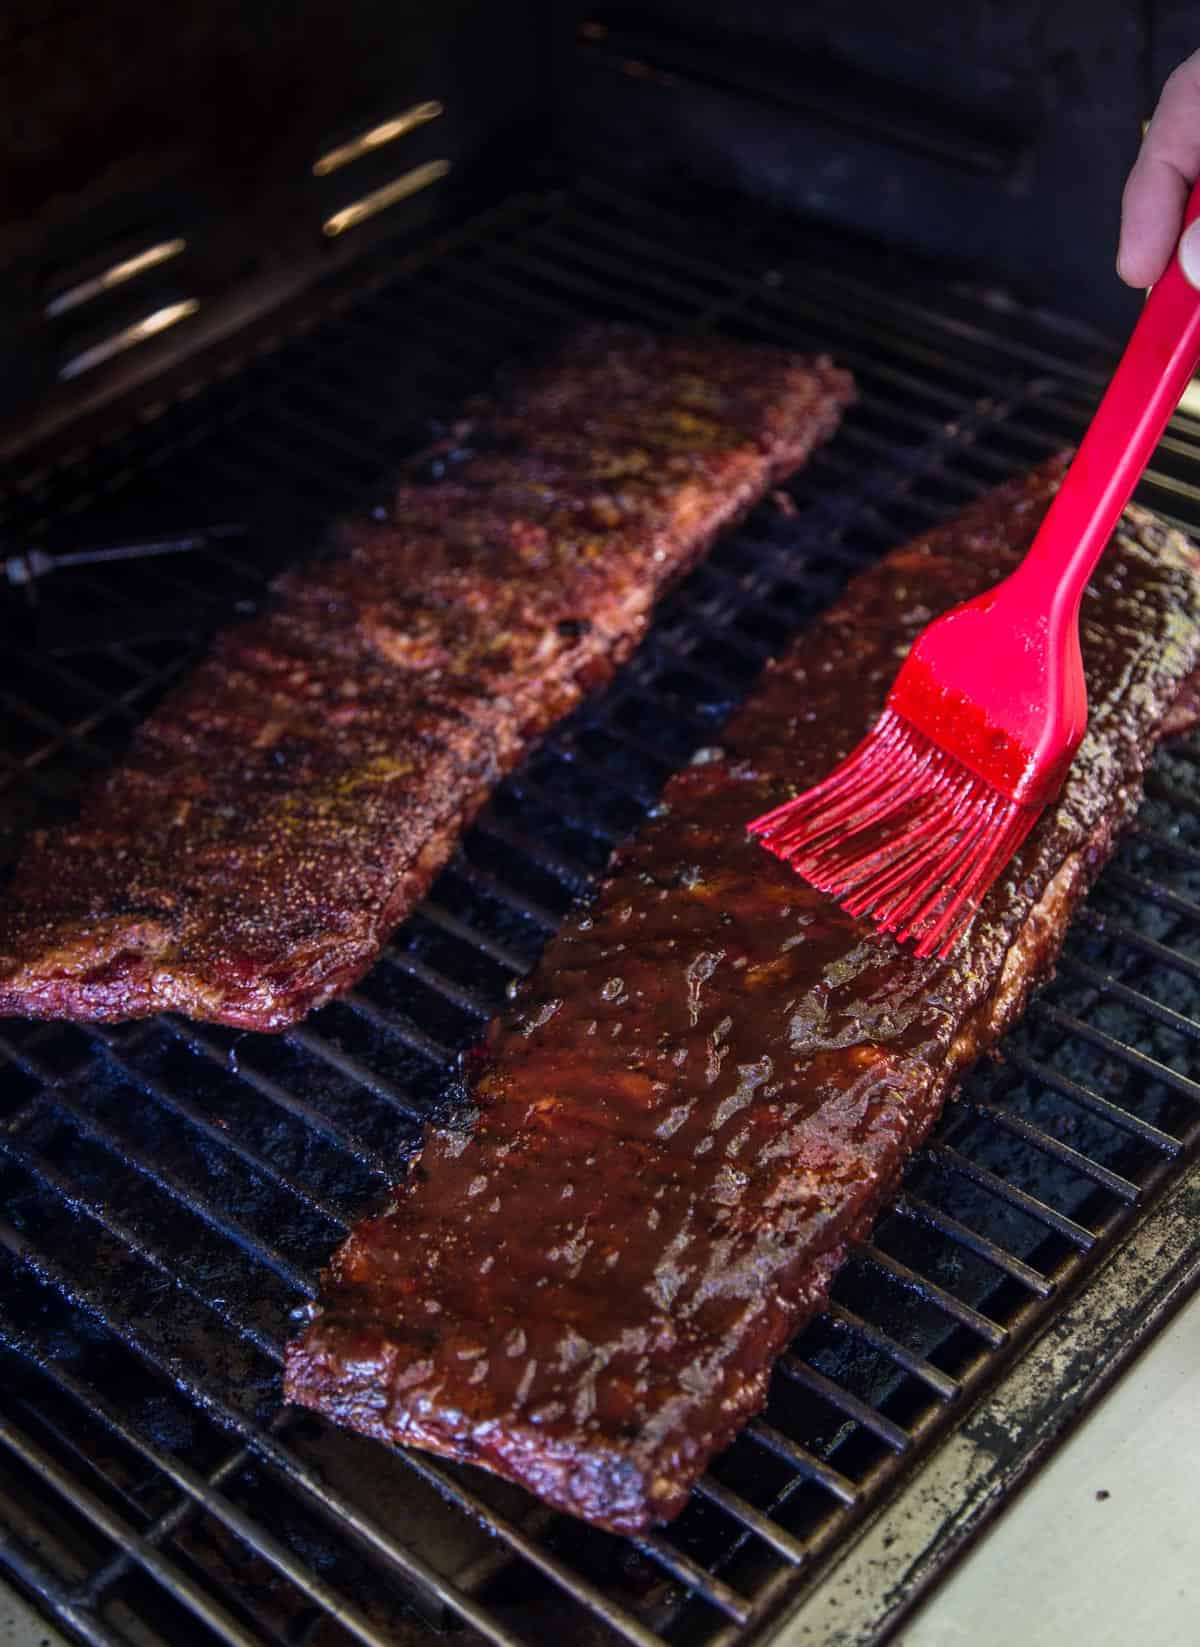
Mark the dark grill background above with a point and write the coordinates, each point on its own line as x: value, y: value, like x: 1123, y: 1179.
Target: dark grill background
x: 170, y: 1190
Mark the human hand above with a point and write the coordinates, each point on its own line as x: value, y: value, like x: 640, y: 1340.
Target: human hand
x: 1156, y: 192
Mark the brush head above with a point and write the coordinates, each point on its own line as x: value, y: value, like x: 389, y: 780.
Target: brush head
x: 901, y: 831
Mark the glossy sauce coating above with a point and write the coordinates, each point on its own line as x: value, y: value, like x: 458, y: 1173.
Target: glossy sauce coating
x: 711, y: 1081
x: 285, y: 807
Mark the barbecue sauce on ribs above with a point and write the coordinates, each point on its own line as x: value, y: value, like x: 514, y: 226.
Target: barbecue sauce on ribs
x: 714, y: 1077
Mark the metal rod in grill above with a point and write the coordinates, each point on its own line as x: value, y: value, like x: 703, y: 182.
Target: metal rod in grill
x: 26, y: 565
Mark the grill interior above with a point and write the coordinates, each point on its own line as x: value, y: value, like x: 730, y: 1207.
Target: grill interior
x: 170, y: 1191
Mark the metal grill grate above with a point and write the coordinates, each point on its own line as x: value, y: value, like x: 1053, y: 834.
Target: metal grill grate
x: 170, y: 1190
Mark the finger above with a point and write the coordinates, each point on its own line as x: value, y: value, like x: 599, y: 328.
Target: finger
x: 1166, y: 167
x: 1151, y: 212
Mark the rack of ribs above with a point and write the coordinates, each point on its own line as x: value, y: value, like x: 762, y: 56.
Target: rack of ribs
x: 708, y: 1087
x: 289, y: 803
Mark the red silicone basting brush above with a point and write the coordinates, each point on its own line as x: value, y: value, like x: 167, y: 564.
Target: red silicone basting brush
x: 990, y: 706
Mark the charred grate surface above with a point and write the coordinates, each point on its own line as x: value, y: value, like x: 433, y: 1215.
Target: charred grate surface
x: 170, y: 1191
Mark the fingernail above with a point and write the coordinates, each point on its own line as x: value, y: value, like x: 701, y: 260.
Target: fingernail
x: 1189, y: 253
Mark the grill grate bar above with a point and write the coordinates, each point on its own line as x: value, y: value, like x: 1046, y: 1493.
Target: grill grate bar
x: 1080, y: 1237
x: 586, y: 224
x: 990, y: 1331
x: 39, y: 1580
x: 802, y: 1461
x: 210, y: 1613
x: 470, y: 1000
x: 754, y: 1521
x: 220, y: 1136
x: 13, y: 772
x: 353, y: 1069
x: 339, y: 1510
x: 182, y: 1513
x: 748, y: 609
x: 1154, y: 892
x: 931, y: 512
x: 255, y: 1538
x: 585, y: 817
x: 802, y: 325
x: 1158, y: 788
x: 523, y: 261
x: 924, y: 1212
x: 481, y: 880
x: 642, y: 791
x: 25, y: 1058
x: 1133, y: 1056
x: 271, y: 1089
x: 1086, y: 1098
x: 569, y: 753
x: 120, y: 1495
x: 811, y: 546
x: 120, y: 705
x: 537, y: 1554
x: 399, y: 1024
x: 868, y: 299
x: 58, y: 737
x: 361, y: 452
x: 942, y: 1385
x: 1180, y: 491
x: 261, y: 1250
x: 1179, y: 850
x: 734, y: 598
x: 1114, y: 1182
x: 879, y: 448
x: 840, y: 303
x: 457, y: 928
x: 883, y: 408
x: 565, y: 249
x: 516, y: 292
x: 1106, y: 984
x: 718, y: 1594
x: 1110, y: 927
x: 631, y: 738
x: 329, y: 485
x: 264, y: 1447
x: 569, y: 873
x: 72, y: 1198
x: 716, y: 588
x: 896, y: 1438
x: 426, y: 366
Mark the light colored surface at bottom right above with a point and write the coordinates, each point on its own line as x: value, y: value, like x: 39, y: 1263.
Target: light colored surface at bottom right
x: 1103, y: 1547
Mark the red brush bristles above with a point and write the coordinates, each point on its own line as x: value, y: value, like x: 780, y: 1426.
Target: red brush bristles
x: 903, y: 832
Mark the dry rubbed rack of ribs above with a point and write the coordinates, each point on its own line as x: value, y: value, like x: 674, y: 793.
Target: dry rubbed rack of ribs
x: 712, y: 1081
x: 288, y: 804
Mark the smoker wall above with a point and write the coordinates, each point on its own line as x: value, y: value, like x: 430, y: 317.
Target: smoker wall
x: 992, y: 133
x: 125, y: 125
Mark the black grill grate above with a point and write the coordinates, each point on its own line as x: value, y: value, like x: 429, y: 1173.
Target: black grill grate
x: 171, y: 1190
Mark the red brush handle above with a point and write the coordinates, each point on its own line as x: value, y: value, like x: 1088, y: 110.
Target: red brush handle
x: 1160, y: 358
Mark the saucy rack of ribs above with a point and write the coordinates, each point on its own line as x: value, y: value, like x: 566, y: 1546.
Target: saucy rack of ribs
x: 286, y: 806
x: 707, y: 1089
